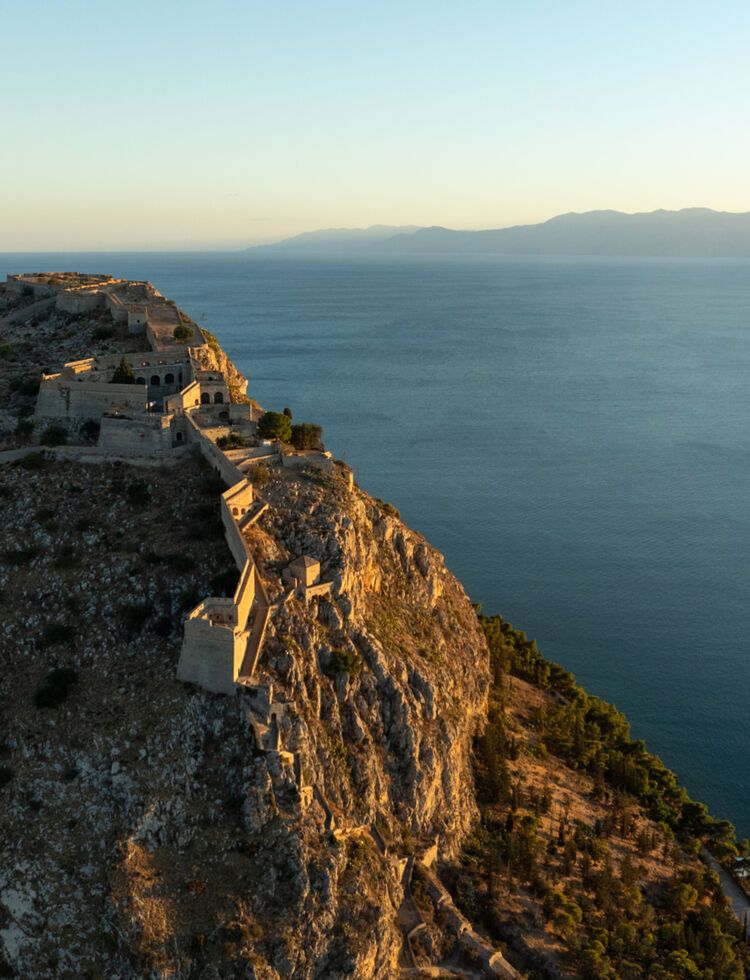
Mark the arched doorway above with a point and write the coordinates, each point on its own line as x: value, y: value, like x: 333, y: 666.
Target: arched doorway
x: 218, y: 398
x: 155, y: 380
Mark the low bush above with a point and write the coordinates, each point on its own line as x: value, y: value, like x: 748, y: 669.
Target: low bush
x: 90, y: 430
x: 134, y: 616
x: 54, y: 688
x: 34, y: 461
x: 138, y: 494
x: 345, y: 662
x: 28, y: 386
x: 54, y: 435
x: 102, y: 333
x: 20, y: 556
x: 66, y: 557
x: 55, y: 634
x: 260, y: 475
x: 182, y: 333
x: 24, y: 429
x: 234, y: 440
x: 224, y: 583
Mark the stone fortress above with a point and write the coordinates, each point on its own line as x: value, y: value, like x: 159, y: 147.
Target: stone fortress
x: 181, y: 400
x: 184, y: 396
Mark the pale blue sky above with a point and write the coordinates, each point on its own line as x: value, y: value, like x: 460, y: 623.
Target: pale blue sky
x: 186, y: 124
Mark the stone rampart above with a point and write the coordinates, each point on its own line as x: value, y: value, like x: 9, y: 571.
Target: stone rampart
x: 63, y: 398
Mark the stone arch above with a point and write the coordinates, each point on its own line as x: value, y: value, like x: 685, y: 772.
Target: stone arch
x: 155, y: 380
x: 205, y: 398
x: 169, y: 379
x: 140, y: 381
x: 218, y: 398
x: 224, y: 416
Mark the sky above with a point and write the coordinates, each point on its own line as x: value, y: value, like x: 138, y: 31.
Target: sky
x: 189, y: 124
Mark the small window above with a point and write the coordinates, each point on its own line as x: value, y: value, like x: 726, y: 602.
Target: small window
x: 178, y: 436
x: 218, y: 398
x: 205, y: 398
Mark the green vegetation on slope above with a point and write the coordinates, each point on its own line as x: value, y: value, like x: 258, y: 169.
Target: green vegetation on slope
x: 624, y: 896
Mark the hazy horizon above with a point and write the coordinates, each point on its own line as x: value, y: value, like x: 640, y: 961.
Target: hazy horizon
x: 170, y: 129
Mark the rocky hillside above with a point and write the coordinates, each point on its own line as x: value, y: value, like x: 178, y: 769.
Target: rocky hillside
x: 142, y: 832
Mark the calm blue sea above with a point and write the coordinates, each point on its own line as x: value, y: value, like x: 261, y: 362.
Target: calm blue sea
x: 572, y: 434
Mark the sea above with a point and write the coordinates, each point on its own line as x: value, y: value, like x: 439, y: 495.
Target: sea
x: 571, y: 433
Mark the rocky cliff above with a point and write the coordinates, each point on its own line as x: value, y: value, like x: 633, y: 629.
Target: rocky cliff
x: 143, y: 830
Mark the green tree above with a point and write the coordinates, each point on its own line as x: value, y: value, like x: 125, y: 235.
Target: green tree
x: 123, y: 373
x: 275, y: 425
x: 307, y: 435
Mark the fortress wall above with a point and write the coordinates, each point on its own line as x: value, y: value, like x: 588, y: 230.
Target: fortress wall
x: 236, y: 542
x: 228, y: 471
x: 59, y: 398
x: 149, y: 437
x: 244, y: 595
x: 70, y: 301
x: 208, y: 656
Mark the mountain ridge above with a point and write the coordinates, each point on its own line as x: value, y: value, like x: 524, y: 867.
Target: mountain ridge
x: 695, y: 232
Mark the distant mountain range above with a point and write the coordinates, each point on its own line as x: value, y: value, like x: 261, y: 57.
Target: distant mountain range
x: 337, y: 239
x: 692, y: 232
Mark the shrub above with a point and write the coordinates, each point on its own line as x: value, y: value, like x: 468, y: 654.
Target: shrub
x: 20, y: 556
x: 234, y: 440
x: 83, y: 524
x: 275, y: 425
x: 54, y: 688
x: 6, y: 352
x: 6, y: 774
x: 138, y: 494
x: 123, y: 373
x: 102, y: 333
x: 57, y: 633
x: 66, y: 557
x: 54, y: 435
x: 307, y: 435
x: 28, y: 386
x: 90, y: 430
x: 288, y: 412
x: 134, y: 616
x: 345, y: 662
x: 260, y: 475
x: 182, y: 333
x: 34, y: 461
x: 24, y: 428
x: 224, y: 583
x: 162, y: 626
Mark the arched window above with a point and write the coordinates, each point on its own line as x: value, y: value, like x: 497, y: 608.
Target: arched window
x: 168, y: 379
x: 196, y: 401
x: 140, y: 381
x: 235, y: 511
x: 218, y: 398
x: 155, y: 379
x: 205, y: 398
